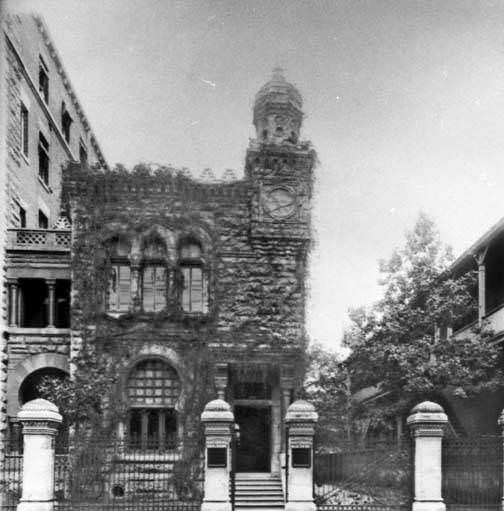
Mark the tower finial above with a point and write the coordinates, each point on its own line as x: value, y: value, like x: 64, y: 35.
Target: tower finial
x: 278, y: 73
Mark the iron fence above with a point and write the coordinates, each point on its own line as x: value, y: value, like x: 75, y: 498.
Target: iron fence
x: 472, y: 473
x: 376, y: 477
x: 114, y: 475
x: 11, y: 470
x: 118, y: 475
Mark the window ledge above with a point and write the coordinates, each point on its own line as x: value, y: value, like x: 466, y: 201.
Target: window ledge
x: 132, y: 454
x: 45, y: 186
x: 37, y: 331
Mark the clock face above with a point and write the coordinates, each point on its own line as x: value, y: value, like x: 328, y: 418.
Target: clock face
x: 280, y: 203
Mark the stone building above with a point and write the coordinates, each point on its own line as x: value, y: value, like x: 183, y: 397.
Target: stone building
x: 42, y: 128
x: 197, y: 290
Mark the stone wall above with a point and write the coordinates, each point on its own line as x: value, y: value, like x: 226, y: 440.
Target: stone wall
x: 256, y: 282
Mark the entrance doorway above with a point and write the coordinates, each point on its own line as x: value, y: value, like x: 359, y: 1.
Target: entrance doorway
x: 253, y: 450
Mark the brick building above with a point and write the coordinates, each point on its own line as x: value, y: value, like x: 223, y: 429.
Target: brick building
x: 42, y: 128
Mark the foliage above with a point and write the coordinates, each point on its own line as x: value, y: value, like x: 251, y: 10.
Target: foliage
x: 327, y: 387
x: 80, y: 398
x: 393, y: 342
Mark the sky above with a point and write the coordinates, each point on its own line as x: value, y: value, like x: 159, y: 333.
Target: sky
x: 404, y: 103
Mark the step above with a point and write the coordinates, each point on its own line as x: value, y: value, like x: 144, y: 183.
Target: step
x: 252, y: 506
x: 258, y: 498
x: 239, y: 491
x: 260, y: 484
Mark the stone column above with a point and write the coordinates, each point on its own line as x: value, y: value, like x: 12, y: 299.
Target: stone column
x: 40, y: 420
x: 218, y: 421
x: 221, y: 380
x: 427, y: 421
x: 300, y: 420
x: 286, y: 388
x: 13, y: 302
x: 51, y: 306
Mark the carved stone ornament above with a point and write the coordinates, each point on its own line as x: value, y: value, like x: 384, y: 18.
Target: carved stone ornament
x: 427, y: 419
x: 39, y: 417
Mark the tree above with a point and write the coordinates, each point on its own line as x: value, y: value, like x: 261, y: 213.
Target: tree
x: 393, y: 342
x: 327, y: 387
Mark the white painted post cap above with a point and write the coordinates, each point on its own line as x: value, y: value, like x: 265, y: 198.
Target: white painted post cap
x: 39, y: 410
x: 427, y: 412
x: 301, y: 411
x: 217, y: 411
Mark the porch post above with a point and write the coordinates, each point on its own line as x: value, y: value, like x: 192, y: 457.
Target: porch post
x: 218, y: 421
x: 300, y: 420
x: 13, y: 302
x: 480, y: 261
x: 40, y: 420
x: 51, y: 303
x: 427, y: 421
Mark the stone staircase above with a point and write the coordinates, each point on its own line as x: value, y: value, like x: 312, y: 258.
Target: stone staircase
x: 258, y: 491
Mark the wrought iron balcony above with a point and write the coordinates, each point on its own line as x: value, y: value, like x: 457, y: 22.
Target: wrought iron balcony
x: 39, y: 239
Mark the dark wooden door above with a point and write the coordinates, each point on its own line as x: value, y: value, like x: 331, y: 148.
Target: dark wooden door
x: 253, y: 450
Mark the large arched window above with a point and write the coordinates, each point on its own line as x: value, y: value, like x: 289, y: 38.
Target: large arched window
x: 194, y: 287
x: 154, y: 276
x: 153, y: 389
x: 119, y: 296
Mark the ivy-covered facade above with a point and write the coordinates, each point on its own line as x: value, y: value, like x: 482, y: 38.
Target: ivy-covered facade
x: 195, y: 290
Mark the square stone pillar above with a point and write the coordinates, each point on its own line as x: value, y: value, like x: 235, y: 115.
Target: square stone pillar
x: 427, y: 421
x: 300, y: 422
x: 501, y: 424
x: 40, y: 420
x: 218, y: 421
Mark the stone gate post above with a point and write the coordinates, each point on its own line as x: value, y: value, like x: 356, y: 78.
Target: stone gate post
x: 501, y: 424
x: 300, y: 422
x: 218, y: 420
x: 40, y: 419
x: 427, y: 421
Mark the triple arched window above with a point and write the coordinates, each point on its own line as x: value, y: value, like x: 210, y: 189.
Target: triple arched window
x: 152, y: 284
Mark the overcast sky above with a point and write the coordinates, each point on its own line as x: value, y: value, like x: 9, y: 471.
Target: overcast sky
x: 404, y: 102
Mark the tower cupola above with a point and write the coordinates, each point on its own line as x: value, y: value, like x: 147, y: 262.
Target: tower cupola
x: 278, y: 111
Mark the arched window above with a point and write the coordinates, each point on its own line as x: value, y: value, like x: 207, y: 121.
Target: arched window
x: 154, y: 276
x: 31, y: 388
x: 153, y: 389
x: 119, y: 296
x: 194, y: 287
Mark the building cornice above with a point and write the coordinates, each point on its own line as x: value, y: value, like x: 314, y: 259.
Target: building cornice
x: 68, y: 87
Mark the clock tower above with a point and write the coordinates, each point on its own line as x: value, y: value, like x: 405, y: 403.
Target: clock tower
x: 279, y: 164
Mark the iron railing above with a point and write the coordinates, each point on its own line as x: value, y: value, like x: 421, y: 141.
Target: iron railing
x: 472, y: 473
x: 110, y: 475
x: 357, y: 477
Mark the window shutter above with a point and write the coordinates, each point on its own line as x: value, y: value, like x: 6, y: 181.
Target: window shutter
x: 148, y: 288
x: 124, y: 288
x: 160, y: 288
x: 113, y: 284
x: 205, y: 293
x: 186, y: 289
